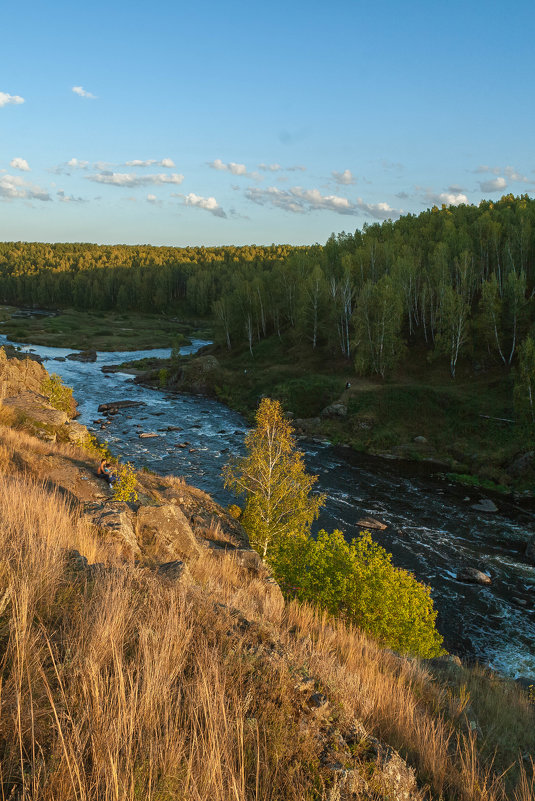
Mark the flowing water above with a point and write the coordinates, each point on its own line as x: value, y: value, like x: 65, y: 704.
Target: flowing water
x: 432, y: 529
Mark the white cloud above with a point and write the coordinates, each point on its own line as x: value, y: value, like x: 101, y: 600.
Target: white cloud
x: 269, y: 167
x: 345, y: 178
x: 232, y: 167
x: 150, y: 163
x: 277, y: 168
x: 131, y: 179
x: 81, y: 92
x: 152, y: 198
x: 207, y: 203
x: 63, y: 198
x: 494, y: 185
x: 10, y: 100
x: 77, y: 164
x: 20, y: 164
x: 14, y: 186
x: 512, y: 173
x: 299, y: 201
x: 450, y: 198
x: 68, y: 166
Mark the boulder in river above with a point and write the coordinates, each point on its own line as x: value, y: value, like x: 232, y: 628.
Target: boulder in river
x: 83, y: 356
x: 114, y: 405
x: 371, y: 522
x: 148, y: 435
x: 485, y: 505
x: 473, y: 576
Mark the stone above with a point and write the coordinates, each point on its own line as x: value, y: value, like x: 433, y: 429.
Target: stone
x: 371, y: 522
x: 420, y: 440
x: 106, y: 407
x: 114, y: 522
x: 176, y: 570
x: 148, y: 435
x: 83, y: 356
x: 317, y: 700
x: 473, y: 576
x: 77, y: 433
x: 164, y: 534
x: 337, y: 409
x: 485, y: 505
x: 75, y: 560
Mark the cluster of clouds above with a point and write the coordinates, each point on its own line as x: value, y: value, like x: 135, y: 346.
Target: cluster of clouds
x: 300, y: 201
x: 130, y: 179
x: 499, y: 183
x: 14, y: 187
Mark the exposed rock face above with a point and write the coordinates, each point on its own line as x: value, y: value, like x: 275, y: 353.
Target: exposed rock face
x: 83, y: 356
x: 173, y: 571
x: 115, y: 523
x: 164, y: 534
x: 473, y: 576
x: 36, y: 407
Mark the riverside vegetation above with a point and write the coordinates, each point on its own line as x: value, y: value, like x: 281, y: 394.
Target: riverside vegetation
x: 432, y: 312
x: 124, y: 678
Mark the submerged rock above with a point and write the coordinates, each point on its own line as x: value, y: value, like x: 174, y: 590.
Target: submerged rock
x: 473, y: 576
x: 485, y: 505
x: 371, y: 522
x: 83, y: 356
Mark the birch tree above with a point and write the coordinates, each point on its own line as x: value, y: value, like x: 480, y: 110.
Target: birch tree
x: 272, y: 479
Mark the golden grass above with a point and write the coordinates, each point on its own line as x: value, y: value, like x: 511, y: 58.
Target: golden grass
x: 126, y: 687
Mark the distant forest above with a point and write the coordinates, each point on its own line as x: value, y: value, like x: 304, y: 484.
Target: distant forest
x: 459, y: 280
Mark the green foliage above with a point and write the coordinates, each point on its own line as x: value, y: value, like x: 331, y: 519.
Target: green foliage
x: 124, y: 488
x: 96, y: 448
x: 358, y: 582
x: 307, y: 396
x: 273, y: 480
x: 163, y: 377
x: 58, y: 395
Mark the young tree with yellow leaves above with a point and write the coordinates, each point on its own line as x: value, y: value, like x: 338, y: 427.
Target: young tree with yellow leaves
x: 272, y: 478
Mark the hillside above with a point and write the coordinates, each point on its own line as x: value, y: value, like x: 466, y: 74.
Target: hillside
x: 146, y: 652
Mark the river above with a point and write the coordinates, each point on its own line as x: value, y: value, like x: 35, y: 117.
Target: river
x: 432, y: 529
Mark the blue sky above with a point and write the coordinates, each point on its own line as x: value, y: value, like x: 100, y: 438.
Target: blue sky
x: 236, y: 123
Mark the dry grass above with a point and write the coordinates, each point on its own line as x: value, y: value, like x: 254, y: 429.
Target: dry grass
x: 126, y: 687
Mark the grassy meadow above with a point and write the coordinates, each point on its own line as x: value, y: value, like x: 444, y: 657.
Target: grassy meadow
x: 98, y: 330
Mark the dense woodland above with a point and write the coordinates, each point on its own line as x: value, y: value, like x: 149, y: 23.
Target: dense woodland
x: 458, y: 280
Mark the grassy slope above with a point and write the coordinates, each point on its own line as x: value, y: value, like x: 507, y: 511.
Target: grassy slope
x: 126, y: 687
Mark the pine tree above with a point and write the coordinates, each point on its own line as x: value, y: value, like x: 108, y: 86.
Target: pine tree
x: 273, y: 480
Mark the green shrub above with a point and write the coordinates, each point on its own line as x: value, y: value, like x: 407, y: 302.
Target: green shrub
x: 58, y: 395
x: 306, y: 397
x: 357, y: 581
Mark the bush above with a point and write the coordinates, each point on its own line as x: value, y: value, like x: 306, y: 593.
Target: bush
x: 58, y: 395
x: 124, y: 488
x: 357, y: 581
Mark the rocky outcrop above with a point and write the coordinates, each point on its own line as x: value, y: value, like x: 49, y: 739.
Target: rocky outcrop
x: 164, y: 534
x: 114, y: 522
